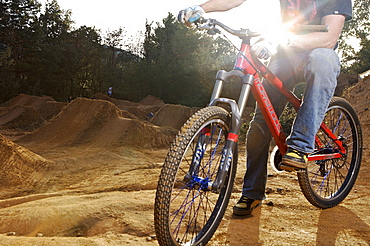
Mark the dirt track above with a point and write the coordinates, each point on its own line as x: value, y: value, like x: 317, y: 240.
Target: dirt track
x: 86, y: 173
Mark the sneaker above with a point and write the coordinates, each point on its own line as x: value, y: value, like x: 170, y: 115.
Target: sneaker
x: 245, y: 206
x: 294, y: 158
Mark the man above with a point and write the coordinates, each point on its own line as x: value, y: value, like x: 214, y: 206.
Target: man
x: 308, y: 57
x: 110, y: 91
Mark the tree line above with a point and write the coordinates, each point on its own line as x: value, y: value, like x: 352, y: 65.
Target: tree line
x: 356, y: 60
x: 42, y: 54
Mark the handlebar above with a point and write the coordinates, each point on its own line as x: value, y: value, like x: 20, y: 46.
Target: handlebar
x: 210, y: 25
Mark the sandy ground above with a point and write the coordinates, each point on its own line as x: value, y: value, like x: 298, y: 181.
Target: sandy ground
x: 86, y: 175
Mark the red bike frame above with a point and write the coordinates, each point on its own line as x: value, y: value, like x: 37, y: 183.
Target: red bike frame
x: 248, y: 65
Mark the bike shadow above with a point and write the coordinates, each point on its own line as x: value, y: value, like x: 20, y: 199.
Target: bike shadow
x: 341, y: 221
x: 244, y: 230
x: 338, y: 223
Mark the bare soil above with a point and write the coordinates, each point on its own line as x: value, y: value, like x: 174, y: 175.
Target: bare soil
x: 85, y: 173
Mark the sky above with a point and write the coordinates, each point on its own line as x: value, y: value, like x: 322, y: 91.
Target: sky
x: 132, y: 14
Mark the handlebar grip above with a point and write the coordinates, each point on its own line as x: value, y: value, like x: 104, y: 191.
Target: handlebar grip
x: 195, y: 19
x: 200, y: 20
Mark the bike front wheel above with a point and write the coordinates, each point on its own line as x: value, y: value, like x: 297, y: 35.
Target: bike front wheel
x: 186, y: 211
x: 326, y: 183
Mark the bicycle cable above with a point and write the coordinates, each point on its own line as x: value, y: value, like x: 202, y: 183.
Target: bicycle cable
x: 239, y: 52
x: 257, y: 71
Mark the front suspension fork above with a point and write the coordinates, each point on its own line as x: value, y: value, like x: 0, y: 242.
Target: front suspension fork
x: 236, y: 122
x: 225, y: 164
x: 198, y: 153
x: 232, y: 138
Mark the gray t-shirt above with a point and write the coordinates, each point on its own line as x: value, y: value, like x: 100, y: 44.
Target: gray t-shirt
x: 310, y: 12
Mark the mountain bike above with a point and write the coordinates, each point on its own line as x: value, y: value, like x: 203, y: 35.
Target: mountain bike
x: 197, y: 177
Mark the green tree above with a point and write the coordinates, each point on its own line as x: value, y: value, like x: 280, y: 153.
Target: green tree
x: 19, y: 39
x: 40, y: 54
x: 179, y: 63
x: 55, y: 24
x: 358, y: 28
x: 86, y: 74
x: 115, y: 60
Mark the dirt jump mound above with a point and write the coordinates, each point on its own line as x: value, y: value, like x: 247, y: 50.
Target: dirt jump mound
x: 149, y: 105
x: 152, y: 100
x: 22, y: 118
x: 27, y: 100
x: 172, y: 116
x: 99, y: 123
x: 26, y: 112
x: 119, y: 103
x: 19, y: 166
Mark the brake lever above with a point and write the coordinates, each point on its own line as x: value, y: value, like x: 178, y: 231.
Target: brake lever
x: 204, y: 24
x: 207, y: 24
x: 213, y: 31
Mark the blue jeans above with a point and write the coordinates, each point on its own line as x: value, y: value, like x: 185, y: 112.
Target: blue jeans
x: 319, y: 68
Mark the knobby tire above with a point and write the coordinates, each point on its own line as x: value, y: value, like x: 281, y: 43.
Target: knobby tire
x: 185, y: 212
x: 326, y: 183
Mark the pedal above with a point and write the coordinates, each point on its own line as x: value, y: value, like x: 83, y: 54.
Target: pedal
x: 288, y: 168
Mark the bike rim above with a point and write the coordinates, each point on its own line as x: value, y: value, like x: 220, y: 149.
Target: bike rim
x: 193, y: 205
x: 329, y: 178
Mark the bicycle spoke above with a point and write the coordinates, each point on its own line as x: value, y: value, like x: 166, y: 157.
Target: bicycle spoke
x: 193, y: 208
x: 327, y: 182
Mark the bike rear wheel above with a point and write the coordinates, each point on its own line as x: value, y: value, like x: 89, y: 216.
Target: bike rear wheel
x: 326, y: 183
x: 186, y: 211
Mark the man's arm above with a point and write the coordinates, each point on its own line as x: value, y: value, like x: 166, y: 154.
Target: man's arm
x: 190, y: 15
x: 220, y: 5
x: 320, y: 39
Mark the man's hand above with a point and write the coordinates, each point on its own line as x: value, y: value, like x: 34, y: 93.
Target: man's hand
x: 263, y: 49
x: 189, y: 15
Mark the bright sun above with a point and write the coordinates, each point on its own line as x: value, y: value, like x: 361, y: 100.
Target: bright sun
x: 254, y: 15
